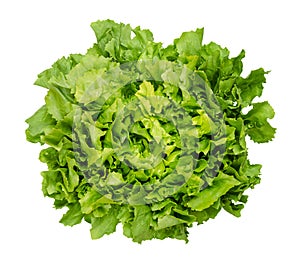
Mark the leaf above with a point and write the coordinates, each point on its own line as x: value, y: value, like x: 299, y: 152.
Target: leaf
x: 221, y: 184
x: 115, y: 40
x: 259, y: 129
x: 58, y: 104
x: 141, y: 224
x: 39, y: 123
x: 208, y: 213
x: 92, y: 200
x: 58, y: 71
x: 105, y: 225
x: 261, y: 112
x: 73, y: 216
x: 252, y: 86
x: 168, y: 221
x: 262, y: 133
x: 189, y: 43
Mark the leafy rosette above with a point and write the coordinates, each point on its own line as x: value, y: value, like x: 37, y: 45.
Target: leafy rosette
x: 148, y: 136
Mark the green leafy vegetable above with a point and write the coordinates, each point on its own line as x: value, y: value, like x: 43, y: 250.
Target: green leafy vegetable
x: 150, y: 137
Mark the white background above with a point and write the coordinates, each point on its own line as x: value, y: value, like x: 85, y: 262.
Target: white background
x: 36, y: 33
